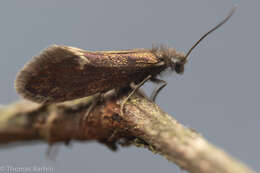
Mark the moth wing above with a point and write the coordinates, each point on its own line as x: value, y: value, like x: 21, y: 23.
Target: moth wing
x: 63, y: 73
x: 51, y: 75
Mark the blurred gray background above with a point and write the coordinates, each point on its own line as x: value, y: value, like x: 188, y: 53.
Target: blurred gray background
x: 218, y: 95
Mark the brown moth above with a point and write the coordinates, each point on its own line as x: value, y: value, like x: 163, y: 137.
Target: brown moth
x: 62, y: 73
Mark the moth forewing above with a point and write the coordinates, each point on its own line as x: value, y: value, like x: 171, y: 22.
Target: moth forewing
x: 63, y: 73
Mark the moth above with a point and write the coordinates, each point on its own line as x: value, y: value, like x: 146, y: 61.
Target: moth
x: 61, y: 73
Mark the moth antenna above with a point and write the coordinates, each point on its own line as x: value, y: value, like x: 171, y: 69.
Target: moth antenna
x: 211, y: 30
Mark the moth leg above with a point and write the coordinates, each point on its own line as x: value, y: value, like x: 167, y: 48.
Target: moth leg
x: 132, y: 92
x: 158, y: 89
x: 98, y: 98
x: 52, y: 151
x: 141, y: 92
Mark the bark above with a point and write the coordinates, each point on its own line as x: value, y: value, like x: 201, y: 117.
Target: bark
x: 143, y: 124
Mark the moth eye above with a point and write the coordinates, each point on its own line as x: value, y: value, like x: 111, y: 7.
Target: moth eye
x: 179, y: 68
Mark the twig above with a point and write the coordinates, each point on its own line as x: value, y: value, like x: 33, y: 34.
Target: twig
x: 143, y: 124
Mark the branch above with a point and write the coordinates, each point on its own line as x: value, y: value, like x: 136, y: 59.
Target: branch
x: 143, y: 124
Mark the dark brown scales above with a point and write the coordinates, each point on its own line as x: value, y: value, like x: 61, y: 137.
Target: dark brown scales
x: 63, y: 73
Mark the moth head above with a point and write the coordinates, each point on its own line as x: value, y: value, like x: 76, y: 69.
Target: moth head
x: 179, y: 63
